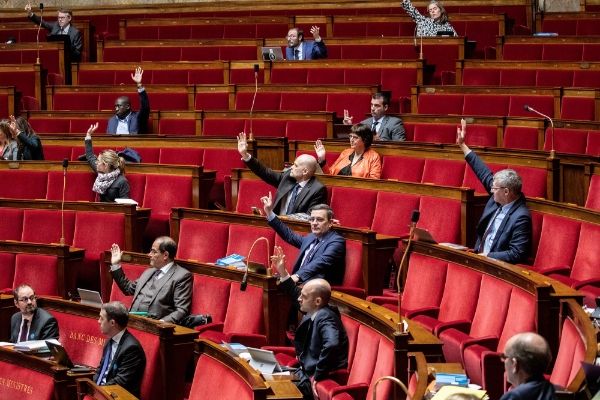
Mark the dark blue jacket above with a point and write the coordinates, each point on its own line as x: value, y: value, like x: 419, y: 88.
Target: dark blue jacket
x: 310, y: 51
x: 138, y: 121
x: 512, y: 242
x: 327, y: 262
x: 536, y: 388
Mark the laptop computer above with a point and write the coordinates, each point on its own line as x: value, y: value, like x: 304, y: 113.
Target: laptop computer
x: 90, y: 297
x: 264, y: 361
x: 62, y: 358
x: 272, y: 53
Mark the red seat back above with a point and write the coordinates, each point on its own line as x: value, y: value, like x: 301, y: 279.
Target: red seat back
x: 492, y: 307
x: 182, y: 156
x: 443, y: 172
x: 520, y: 317
x: 442, y: 218
x: 593, y: 198
x: 422, y: 271
x: 585, y: 265
x: 211, y: 297
x: 11, y: 227
x: 27, y: 379
x: 459, y: 299
x: 353, y: 272
x: 78, y: 186
x: 406, y: 169
x: 7, y: 270
x: 162, y: 193
x: 557, y: 230
x: 393, y: 211
x: 241, y: 238
x: 212, y: 235
x: 228, y: 385
x: 345, y: 210
x: 516, y: 137
x: 249, y: 194
x: 571, y: 352
x: 45, y: 226
x: 245, y: 311
x: 40, y: 271
x: 13, y: 188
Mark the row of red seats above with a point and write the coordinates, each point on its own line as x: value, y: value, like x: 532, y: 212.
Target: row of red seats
x: 16, y: 268
x: 551, y: 51
x: 531, y: 77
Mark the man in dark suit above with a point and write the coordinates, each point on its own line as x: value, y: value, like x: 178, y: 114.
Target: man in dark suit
x: 125, y: 121
x: 504, y: 230
x: 298, y: 49
x: 163, y: 291
x: 123, y: 359
x: 527, y: 357
x: 322, y: 252
x: 61, y: 27
x: 297, y: 189
x: 320, y: 341
x: 384, y: 126
x: 31, y: 323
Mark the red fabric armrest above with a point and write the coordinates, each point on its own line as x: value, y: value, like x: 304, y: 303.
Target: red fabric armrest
x: 461, y: 325
x: 380, y: 300
x: 588, y: 282
x: 352, y: 291
x: 428, y: 311
x: 213, y: 326
x: 248, y: 339
x: 566, y: 271
x: 489, y: 342
x: 357, y: 390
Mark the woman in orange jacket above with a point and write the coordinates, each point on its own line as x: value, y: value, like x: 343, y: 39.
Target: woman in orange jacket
x: 359, y: 160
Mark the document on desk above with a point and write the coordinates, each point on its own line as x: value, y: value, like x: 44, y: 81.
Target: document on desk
x: 34, y: 346
x: 451, y: 389
x: 6, y: 344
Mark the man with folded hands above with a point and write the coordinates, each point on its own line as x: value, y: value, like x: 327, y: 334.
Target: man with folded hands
x: 31, y: 322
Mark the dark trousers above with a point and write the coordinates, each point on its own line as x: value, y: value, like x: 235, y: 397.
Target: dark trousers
x: 304, y: 384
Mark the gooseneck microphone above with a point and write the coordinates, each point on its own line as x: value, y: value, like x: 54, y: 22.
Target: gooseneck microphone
x: 65, y: 164
x: 416, y: 46
x: 414, y: 218
x: 254, y: 98
x: 552, y: 151
x: 244, y: 283
x: 37, y: 61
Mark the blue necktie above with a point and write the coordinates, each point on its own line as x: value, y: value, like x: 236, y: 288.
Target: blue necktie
x: 296, y: 54
x: 106, y: 359
x: 290, y: 206
x: 310, y: 253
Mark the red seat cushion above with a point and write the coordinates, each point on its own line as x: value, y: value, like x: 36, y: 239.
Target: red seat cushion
x: 567, y: 140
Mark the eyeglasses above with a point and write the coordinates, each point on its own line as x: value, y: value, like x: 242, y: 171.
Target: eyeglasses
x: 154, y: 252
x: 26, y: 299
x: 494, y: 188
x: 353, y: 137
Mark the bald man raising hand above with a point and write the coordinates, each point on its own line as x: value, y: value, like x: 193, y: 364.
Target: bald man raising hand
x: 297, y: 188
x: 321, y: 341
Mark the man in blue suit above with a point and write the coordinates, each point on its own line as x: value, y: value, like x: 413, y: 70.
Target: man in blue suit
x: 125, y: 121
x: 322, y: 252
x: 504, y: 230
x: 298, y: 49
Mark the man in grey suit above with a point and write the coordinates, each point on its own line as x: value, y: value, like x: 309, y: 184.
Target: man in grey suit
x: 31, y: 323
x: 384, y: 126
x: 61, y: 27
x: 163, y: 291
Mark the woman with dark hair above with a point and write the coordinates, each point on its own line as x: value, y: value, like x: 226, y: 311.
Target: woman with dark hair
x: 8, y: 146
x: 110, y: 183
x: 359, y: 160
x: 28, y: 142
x: 436, y: 22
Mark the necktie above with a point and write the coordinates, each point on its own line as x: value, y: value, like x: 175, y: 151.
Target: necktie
x: 106, y: 361
x: 292, y: 200
x: 296, y: 54
x: 374, y: 127
x: 63, y: 31
x: 310, y: 253
x: 23, y: 337
x: 488, y: 230
x: 157, y: 274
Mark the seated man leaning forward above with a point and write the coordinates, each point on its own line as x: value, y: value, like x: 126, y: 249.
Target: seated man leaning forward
x: 163, y: 291
x: 322, y: 252
x: 297, y: 188
x: 123, y: 359
x: 125, y: 121
x: 321, y: 342
x: 31, y: 322
x: 298, y: 49
x: 504, y: 230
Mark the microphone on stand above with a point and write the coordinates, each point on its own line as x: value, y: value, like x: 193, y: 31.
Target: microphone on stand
x: 253, y: 99
x: 414, y: 218
x: 416, y: 46
x: 552, y: 152
x: 38, y: 33
x: 244, y: 282
x: 65, y: 164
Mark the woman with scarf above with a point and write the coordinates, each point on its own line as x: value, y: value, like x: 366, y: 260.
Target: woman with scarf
x: 110, y: 183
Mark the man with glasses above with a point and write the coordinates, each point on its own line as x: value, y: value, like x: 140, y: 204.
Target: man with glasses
x: 61, y: 27
x: 504, y: 230
x: 298, y: 49
x: 163, y: 291
x: 322, y: 252
x: 32, y: 322
x: 527, y: 357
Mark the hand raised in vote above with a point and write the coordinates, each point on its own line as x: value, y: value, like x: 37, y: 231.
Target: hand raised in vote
x: 242, y: 145
x: 115, y: 252
x: 320, y: 150
x: 28, y: 9
x: 461, y: 132
x: 92, y: 129
x: 12, y: 125
x: 278, y: 260
x: 267, y: 204
x: 315, y: 32
x: 137, y: 78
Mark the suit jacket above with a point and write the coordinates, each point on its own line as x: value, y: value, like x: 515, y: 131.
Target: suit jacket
x: 119, y: 188
x: 391, y: 128
x: 43, y: 326
x: 312, y: 194
x: 310, y: 51
x: 321, y: 345
x: 32, y: 148
x: 536, y: 388
x: 138, y: 120
x: 55, y: 28
x: 512, y: 242
x: 173, y: 295
x: 127, y: 366
x: 327, y: 262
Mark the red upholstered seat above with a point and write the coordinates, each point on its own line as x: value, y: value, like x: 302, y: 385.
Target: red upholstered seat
x: 356, y: 104
x: 554, y: 78
x: 345, y: 202
x: 563, y: 51
x: 422, y: 271
x: 222, y: 127
x: 7, y: 270
x: 522, y: 51
x: 241, y: 238
x: 360, y: 52
x: 133, y: 272
x: 11, y: 227
x: 269, y: 127
x: 137, y: 186
x: 96, y: 232
x: 170, y: 77
x: 571, y: 352
x: 291, y: 252
x: 57, y: 153
x: 322, y: 76
x: 176, y: 126
x: 443, y: 172
x: 303, y: 101
x: 534, y: 180
x: 229, y: 385
x: 398, y: 80
x: 392, y: 210
x: 223, y: 161
x: 40, y: 271
x: 459, y: 300
x: 587, y: 27
x: 50, y: 125
x: 543, y: 104
x: 44, y: 226
x: 181, y: 156
x: 211, y: 101
x: 567, y: 140
x: 485, y: 104
x: 591, y: 53
x: 78, y: 187
x: 75, y: 101
x: 162, y: 53
x: 305, y: 130
x: 440, y: 104
x: 436, y: 133
x: 358, y: 76
x: 442, y: 218
x: 516, y: 137
x: 293, y: 76
x: 579, y: 108
x: 200, y: 53
x: 12, y: 184
x: 249, y: 194
x: 517, y: 77
x: 593, y: 198
x: 556, y: 230
x: 202, y: 240
x: 353, y: 280
x: 21, y: 375
x: 481, y: 77
x: 81, y: 125
x: 211, y: 297
x: 406, y: 169
x: 268, y: 101
x: 483, y: 135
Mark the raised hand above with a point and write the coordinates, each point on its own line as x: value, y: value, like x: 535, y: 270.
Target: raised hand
x: 315, y: 32
x: 92, y: 129
x: 347, y: 119
x: 278, y: 260
x: 242, y: 145
x: 137, y: 78
x: 461, y: 132
x: 28, y: 9
x: 115, y: 252
x: 267, y: 203
x: 320, y: 150
x: 12, y: 125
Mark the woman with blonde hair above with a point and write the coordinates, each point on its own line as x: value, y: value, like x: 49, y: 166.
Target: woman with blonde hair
x: 110, y: 183
x: 8, y: 145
